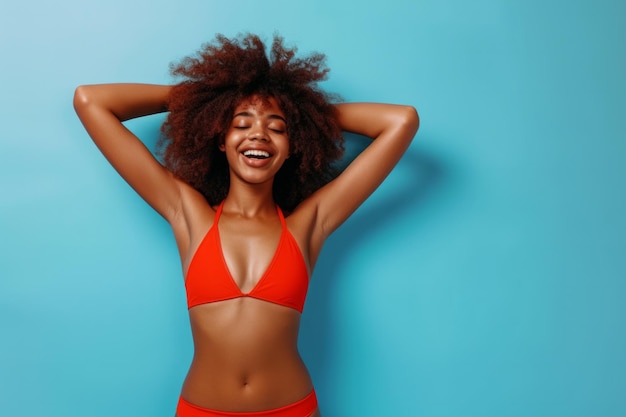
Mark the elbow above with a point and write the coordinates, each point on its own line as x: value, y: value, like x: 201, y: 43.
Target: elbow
x: 81, y: 97
x: 410, y: 119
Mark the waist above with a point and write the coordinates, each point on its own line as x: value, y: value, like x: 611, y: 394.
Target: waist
x: 227, y: 386
x: 245, y: 355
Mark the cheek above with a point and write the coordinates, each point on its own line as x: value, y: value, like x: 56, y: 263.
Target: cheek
x: 288, y: 147
x: 230, y: 140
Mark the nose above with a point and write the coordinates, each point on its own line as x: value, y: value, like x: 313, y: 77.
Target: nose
x: 258, y: 133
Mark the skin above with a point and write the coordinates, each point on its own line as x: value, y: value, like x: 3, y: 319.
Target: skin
x: 246, y: 356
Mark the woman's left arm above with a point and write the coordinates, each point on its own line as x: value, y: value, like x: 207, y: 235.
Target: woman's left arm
x: 392, y: 127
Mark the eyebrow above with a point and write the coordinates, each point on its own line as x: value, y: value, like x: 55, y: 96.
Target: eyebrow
x: 271, y: 116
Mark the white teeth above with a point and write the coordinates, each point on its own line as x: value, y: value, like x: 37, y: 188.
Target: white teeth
x: 257, y: 153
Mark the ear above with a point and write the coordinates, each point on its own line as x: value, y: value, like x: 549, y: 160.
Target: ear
x: 221, y: 147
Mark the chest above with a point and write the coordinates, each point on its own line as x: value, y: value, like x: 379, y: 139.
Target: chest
x: 248, y: 248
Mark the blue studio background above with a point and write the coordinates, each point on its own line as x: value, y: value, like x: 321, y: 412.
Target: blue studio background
x: 485, y: 277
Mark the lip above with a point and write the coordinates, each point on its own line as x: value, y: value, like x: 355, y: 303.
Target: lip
x: 255, y: 162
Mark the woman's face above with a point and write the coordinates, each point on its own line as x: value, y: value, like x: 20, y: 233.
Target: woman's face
x: 256, y: 143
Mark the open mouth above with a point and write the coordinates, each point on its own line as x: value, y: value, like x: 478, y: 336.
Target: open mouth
x: 256, y: 154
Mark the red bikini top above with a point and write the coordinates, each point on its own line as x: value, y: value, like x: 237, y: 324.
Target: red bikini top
x: 284, y: 282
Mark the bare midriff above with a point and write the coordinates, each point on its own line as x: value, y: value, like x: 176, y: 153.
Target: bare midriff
x: 245, y: 356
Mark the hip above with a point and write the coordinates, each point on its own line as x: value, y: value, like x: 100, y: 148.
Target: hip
x: 305, y: 407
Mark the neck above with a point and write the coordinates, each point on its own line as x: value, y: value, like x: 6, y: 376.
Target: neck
x: 250, y: 200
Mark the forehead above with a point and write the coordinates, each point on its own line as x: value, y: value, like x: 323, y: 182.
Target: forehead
x: 259, y: 105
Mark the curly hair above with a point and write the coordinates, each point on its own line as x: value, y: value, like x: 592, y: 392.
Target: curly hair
x: 222, y: 74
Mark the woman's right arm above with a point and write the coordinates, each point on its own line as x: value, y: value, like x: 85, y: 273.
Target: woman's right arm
x: 102, y: 109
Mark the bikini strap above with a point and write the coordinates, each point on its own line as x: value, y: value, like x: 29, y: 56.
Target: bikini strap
x: 281, y: 217
x: 218, y: 213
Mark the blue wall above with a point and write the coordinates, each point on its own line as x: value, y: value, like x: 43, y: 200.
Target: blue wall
x: 486, y: 277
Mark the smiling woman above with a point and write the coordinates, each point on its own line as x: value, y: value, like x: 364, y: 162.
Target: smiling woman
x: 257, y: 139
x: 249, y: 192
x: 219, y: 78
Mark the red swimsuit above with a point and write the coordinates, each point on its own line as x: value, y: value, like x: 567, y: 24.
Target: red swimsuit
x: 285, y: 282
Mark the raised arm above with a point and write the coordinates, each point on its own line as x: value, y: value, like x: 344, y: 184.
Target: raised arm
x: 102, y: 109
x: 392, y: 128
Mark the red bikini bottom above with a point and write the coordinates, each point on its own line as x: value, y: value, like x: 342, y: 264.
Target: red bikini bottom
x: 302, y: 408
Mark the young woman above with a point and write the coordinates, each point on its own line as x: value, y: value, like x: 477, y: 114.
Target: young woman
x: 249, y: 192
